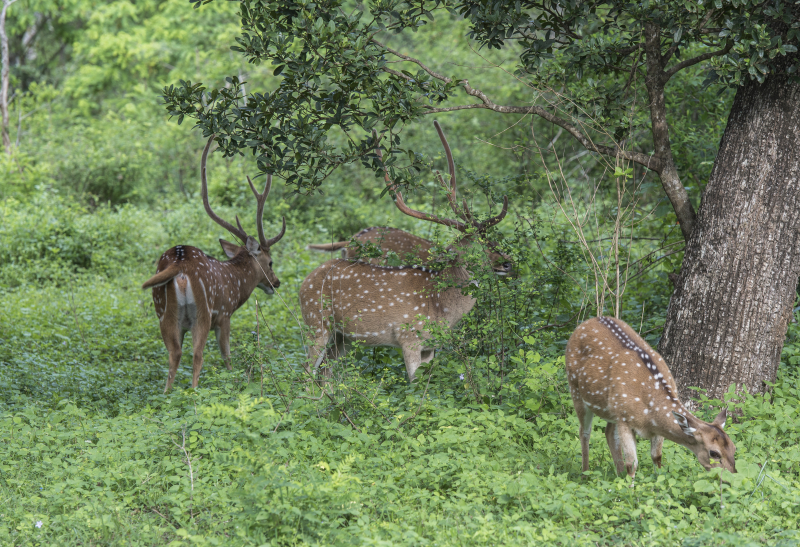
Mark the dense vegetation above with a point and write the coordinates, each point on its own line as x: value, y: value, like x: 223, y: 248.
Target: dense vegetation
x: 483, y: 449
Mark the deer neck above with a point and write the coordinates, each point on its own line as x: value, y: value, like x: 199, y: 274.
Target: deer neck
x: 673, y: 432
x: 246, y: 273
x: 451, y: 303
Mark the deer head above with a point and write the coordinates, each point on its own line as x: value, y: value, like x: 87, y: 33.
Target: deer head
x: 259, y: 250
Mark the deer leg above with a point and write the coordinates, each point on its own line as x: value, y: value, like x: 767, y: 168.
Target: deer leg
x: 317, y: 350
x: 412, y: 357
x: 585, y: 417
x: 614, y: 446
x: 199, y: 338
x: 173, y: 339
x: 223, y: 334
x: 624, y: 448
x: 338, y: 350
x: 655, y: 450
x: 340, y: 347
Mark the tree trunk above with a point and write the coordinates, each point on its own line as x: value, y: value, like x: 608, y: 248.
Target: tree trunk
x: 728, y: 316
x: 4, y: 71
x: 655, y: 80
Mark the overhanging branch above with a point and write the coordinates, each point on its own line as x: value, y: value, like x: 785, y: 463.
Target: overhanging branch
x: 651, y: 162
x: 694, y: 60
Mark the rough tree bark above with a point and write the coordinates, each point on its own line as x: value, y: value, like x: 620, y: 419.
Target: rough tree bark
x: 728, y: 316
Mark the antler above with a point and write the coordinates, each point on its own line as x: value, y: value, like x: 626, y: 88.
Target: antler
x: 451, y: 167
x: 238, y: 232
x: 489, y: 222
x: 464, y: 214
x: 260, y: 200
x: 419, y: 214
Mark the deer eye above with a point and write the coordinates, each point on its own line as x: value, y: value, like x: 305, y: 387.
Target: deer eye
x: 270, y: 264
x: 714, y: 454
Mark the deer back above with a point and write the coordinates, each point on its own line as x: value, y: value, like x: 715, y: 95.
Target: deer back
x: 404, y: 244
x: 380, y: 305
x: 410, y: 248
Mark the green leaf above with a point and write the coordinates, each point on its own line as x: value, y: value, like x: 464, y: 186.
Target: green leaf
x: 705, y: 486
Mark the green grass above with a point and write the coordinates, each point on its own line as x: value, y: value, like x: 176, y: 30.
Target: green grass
x: 95, y: 452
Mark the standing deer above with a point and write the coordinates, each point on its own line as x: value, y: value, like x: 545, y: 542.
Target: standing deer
x: 408, y: 246
x: 388, y: 305
x: 614, y: 373
x: 195, y: 292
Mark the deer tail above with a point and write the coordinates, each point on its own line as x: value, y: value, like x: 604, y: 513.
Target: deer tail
x: 163, y: 277
x: 329, y: 247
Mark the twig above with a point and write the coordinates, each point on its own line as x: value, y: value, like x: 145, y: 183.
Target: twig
x: 182, y: 446
x: 258, y: 348
x: 165, y: 518
x: 370, y: 402
x: 75, y: 317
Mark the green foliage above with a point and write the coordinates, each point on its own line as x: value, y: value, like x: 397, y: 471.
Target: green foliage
x: 97, y: 455
x: 98, y: 187
x: 337, y: 91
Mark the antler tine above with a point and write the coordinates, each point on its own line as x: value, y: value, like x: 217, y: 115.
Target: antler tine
x: 401, y: 204
x: 261, y: 199
x: 204, y: 188
x: 452, y: 196
x: 488, y: 223
x: 451, y: 199
x: 272, y: 241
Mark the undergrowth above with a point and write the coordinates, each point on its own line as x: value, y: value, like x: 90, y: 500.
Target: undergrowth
x: 481, y: 450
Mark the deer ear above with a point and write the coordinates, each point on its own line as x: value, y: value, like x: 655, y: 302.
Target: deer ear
x: 229, y: 248
x: 720, y: 419
x: 681, y: 420
x: 252, y: 246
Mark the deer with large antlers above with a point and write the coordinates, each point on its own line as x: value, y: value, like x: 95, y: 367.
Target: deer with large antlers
x: 614, y: 374
x: 389, y: 305
x: 195, y: 292
x: 407, y: 246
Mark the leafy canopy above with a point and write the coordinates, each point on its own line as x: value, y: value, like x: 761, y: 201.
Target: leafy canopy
x: 341, y: 80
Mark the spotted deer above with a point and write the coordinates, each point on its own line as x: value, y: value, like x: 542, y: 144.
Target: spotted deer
x: 410, y: 248
x: 195, y: 292
x: 614, y: 374
x: 388, y: 305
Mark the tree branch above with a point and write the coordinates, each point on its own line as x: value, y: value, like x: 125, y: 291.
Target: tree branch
x: 668, y: 55
x: 694, y: 60
x: 628, y: 50
x: 651, y: 162
x: 634, y: 66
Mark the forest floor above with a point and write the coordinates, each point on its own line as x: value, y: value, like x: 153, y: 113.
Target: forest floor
x: 94, y: 454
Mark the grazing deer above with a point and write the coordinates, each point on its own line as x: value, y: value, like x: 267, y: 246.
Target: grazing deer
x: 388, y: 305
x: 195, y: 292
x: 407, y: 246
x: 614, y: 373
